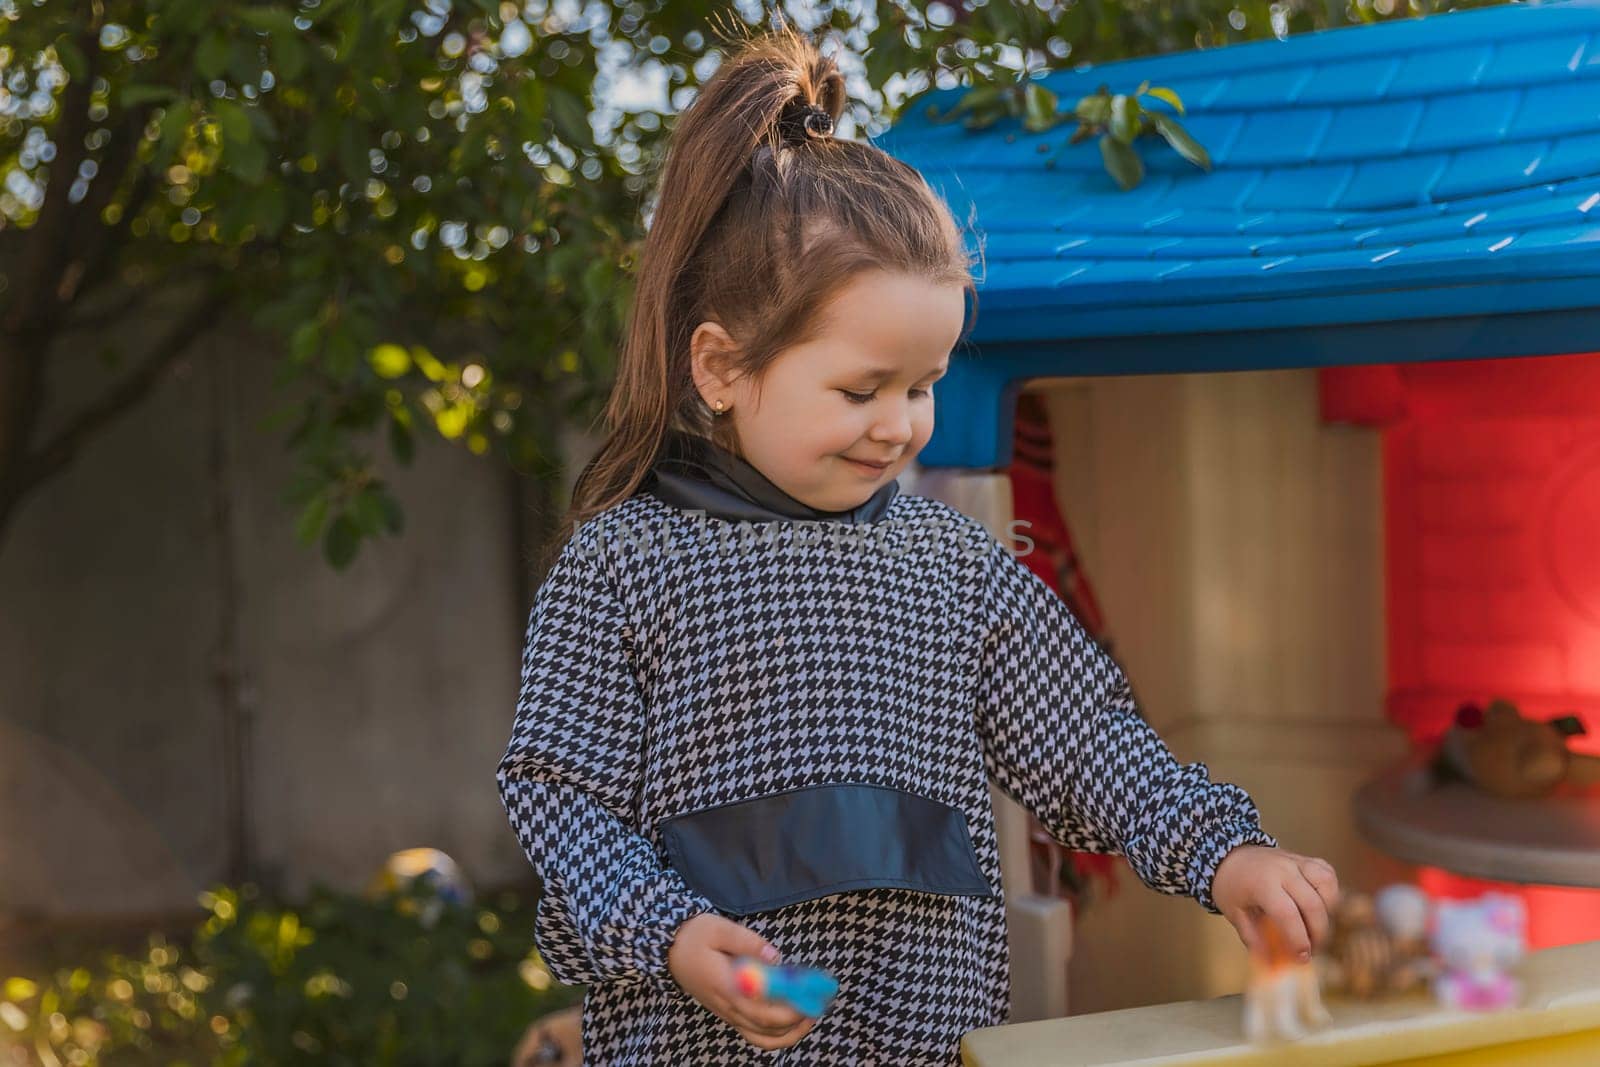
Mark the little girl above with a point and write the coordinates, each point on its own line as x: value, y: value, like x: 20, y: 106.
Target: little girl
x: 763, y: 691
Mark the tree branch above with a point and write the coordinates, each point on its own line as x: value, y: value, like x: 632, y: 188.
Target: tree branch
x: 89, y: 318
x: 96, y: 242
x: 51, y: 458
x: 111, y: 313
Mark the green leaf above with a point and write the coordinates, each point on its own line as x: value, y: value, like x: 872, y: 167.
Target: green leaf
x: 235, y: 123
x: 353, y: 158
x: 342, y: 353
x: 327, y: 10
x: 1168, y: 95
x: 1180, y: 139
x: 390, y: 360
x: 1094, y: 109
x: 394, y: 518
x: 451, y: 422
x: 570, y: 116
x: 976, y: 99
x: 135, y: 94
x: 71, y: 57
x: 532, y: 103
x: 174, y: 132
x: 271, y: 209
x: 309, y: 525
x: 211, y: 57
x: 273, y: 20
x: 401, y: 443
x: 1041, y: 107
x: 1122, y: 162
x: 306, y: 341
x: 248, y: 161
x: 340, y: 543
x: 367, y: 511
x: 244, y: 62
x: 289, y: 57
x: 1125, y: 116
x: 597, y: 281
x: 185, y: 16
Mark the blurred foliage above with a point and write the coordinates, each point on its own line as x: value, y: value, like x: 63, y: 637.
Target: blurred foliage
x: 435, y: 205
x: 1117, y: 119
x: 343, y: 980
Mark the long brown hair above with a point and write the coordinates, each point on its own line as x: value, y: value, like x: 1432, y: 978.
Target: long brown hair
x: 757, y: 225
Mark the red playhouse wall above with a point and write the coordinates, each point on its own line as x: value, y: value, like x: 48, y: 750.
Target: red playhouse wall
x: 1492, y: 542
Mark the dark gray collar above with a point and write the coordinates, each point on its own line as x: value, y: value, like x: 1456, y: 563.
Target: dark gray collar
x: 696, y: 474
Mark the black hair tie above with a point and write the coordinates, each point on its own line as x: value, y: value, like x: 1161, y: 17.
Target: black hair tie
x: 805, y: 121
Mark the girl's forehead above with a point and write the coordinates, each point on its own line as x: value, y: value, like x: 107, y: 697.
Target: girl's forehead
x: 894, y: 319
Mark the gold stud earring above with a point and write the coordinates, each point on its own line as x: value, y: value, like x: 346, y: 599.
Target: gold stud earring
x: 719, y: 407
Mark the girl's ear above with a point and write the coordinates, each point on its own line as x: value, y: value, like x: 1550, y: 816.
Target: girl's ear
x: 712, y: 351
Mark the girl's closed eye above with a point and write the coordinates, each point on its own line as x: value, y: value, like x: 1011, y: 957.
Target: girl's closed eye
x: 863, y: 398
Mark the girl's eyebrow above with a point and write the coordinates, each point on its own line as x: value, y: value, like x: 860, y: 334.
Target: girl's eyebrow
x: 878, y: 374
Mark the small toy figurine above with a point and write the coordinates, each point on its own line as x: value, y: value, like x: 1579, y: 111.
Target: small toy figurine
x: 437, y: 879
x: 554, y: 1040
x: 1503, y: 753
x: 1282, y: 999
x: 806, y: 989
x: 1379, y: 945
x: 1477, y: 942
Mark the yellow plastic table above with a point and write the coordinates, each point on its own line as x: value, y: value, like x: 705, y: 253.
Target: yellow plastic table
x: 1557, y: 1025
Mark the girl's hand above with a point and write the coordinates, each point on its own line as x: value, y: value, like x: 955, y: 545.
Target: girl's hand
x: 701, y: 960
x: 1255, y: 884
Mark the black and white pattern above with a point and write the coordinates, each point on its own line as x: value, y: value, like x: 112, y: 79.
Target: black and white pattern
x: 677, y: 661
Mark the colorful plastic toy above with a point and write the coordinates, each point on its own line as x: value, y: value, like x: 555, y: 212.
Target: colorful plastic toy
x: 1478, y: 942
x: 1282, y: 999
x: 1379, y: 946
x: 806, y: 989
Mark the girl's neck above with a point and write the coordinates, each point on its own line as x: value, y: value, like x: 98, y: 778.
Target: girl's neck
x: 696, y: 473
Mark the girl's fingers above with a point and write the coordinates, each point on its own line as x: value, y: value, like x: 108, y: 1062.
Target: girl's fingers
x: 1245, y: 924
x: 771, y: 1038
x: 765, y: 1016
x: 772, y: 1042
x: 736, y: 939
x: 1282, y: 910
x: 1323, y: 878
x: 799, y: 1029
x: 1313, y: 909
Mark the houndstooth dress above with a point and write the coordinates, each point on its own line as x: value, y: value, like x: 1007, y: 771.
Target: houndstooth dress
x: 731, y: 702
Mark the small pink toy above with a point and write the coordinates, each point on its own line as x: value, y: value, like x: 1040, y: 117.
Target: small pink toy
x: 1477, y: 943
x: 806, y: 989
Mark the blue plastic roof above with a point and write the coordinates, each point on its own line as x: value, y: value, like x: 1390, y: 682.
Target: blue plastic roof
x: 1423, y: 189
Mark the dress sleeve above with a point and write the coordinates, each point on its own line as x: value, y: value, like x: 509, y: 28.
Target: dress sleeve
x: 1063, y: 737
x: 610, y: 905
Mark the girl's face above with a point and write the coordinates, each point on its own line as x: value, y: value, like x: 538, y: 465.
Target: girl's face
x: 842, y: 414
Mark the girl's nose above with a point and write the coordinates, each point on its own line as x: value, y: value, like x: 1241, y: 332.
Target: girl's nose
x: 893, y: 425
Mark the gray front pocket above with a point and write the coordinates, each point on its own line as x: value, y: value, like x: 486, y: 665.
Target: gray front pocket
x: 762, y: 853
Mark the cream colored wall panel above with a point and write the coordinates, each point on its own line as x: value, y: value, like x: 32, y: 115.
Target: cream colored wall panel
x: 1234, y: 542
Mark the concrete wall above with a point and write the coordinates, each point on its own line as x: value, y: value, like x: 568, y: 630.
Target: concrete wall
x: 1235, y: 544
x: 378, y: 699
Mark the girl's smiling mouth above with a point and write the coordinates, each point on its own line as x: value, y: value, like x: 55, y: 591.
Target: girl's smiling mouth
x: 865, y: 467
